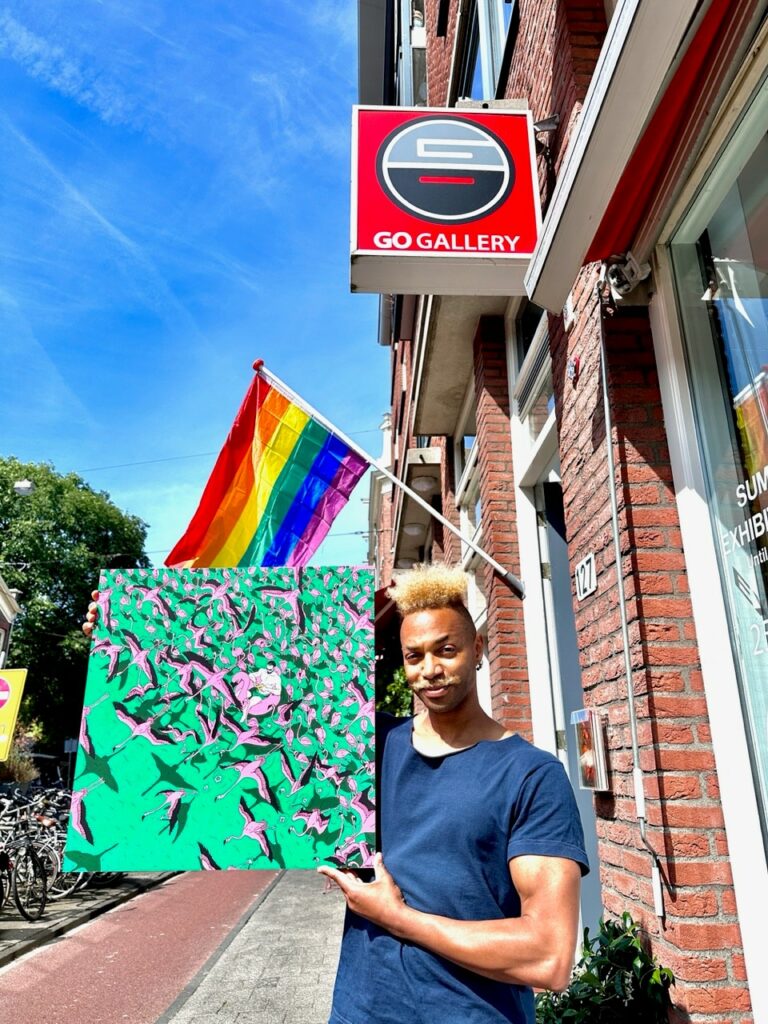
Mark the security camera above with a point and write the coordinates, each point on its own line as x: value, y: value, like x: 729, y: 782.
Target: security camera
x: 625, y: 274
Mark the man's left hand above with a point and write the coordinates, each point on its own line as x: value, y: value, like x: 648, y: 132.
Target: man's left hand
x: 379, y: 901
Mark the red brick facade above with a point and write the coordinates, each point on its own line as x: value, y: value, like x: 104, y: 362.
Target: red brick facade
x: 557, y: 48
x: 700, y: 937
x: 506, y: 633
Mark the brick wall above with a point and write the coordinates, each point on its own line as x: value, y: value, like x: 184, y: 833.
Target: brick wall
x: 439, y: 53
x: 506, y: 636
x: 700, y: 938
x: 557, y: 49
x: 385, y: 562
x: 401, y: 416
x: 446, y: 545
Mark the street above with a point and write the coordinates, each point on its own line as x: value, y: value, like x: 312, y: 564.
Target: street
x: 255, y: 947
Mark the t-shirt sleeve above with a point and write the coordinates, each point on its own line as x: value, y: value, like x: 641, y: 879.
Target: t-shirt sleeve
x: 545, y: 820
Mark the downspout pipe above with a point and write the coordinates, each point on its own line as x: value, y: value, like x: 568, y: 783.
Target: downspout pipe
x: 637, y: 775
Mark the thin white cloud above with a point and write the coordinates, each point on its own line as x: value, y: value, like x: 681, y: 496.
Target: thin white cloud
x: 155, y: 289
x: 51, y: 65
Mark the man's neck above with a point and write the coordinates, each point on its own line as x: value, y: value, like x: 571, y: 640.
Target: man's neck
x: 445, y: 732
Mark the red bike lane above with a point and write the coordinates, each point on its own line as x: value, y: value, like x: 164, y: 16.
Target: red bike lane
x: 129, y: 965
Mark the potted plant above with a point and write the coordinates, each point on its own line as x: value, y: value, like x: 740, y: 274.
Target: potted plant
x: 616, y: 979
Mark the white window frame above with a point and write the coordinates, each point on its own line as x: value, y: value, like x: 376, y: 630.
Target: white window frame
x: 492, y: 35
x: 490, y: 23
x: 529, y: 461
x: 729, y: 741
x: 411, y: 38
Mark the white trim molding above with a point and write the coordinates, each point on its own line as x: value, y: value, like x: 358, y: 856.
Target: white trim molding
x: 739, y: 802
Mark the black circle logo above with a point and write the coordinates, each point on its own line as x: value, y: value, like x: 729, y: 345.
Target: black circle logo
x: 445, y: 169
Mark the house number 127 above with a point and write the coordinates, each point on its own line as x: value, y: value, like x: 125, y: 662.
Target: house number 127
x: 586, y: 577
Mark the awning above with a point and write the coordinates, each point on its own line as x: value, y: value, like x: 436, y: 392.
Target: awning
x: 660, y: 64
x: 643, y: 179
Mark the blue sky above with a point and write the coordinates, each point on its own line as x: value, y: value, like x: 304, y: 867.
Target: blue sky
x: 174, y: 205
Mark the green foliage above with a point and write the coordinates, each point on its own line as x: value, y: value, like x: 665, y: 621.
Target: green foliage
x: 615, y: 980
x: 53, y: 543
x: 393, y: 694
x: 20, y: 766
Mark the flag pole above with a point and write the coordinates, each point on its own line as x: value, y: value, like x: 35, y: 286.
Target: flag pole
x: 514, y: 582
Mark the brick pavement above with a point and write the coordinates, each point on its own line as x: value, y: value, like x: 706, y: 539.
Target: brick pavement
x: 278, y: 968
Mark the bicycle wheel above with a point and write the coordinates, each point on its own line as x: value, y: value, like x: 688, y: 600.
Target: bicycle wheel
x: 29, y: 884
x: 49, y: 856
x: 5, y: 878
x: 65, y: 884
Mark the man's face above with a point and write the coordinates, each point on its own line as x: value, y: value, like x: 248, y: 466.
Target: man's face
x: 440, y: 650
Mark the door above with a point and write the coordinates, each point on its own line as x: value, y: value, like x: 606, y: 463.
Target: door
x: 565, y: 672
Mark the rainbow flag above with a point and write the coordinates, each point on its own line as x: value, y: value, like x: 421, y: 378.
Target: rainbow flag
x: 279, y: 482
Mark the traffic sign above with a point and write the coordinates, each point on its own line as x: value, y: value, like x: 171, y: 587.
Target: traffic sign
x: 11, y: 690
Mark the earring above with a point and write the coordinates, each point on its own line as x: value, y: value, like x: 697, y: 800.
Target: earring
x: 479, y: 665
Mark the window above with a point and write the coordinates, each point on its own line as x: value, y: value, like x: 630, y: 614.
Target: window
x: 482, y: 48
x: 465, y: 435
x: 412, y: 66
x: 527, y: 325
x: 467, y: 474
x: 534, y: 392
x: 720, y: 261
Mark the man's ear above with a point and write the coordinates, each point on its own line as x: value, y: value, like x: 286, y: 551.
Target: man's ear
x: 479, y: 647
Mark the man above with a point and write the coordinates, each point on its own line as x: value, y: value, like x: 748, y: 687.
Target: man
x: 476, y: 891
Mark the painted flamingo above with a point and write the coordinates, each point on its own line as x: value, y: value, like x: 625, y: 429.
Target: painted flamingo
x: 252, y: 829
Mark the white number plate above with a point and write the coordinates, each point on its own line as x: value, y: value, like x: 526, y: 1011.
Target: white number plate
x: 586, y: 577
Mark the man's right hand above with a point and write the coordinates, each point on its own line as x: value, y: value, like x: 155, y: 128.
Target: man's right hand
x: 92, y: 615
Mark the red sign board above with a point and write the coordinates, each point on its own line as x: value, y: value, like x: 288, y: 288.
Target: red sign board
x: 444, y: 201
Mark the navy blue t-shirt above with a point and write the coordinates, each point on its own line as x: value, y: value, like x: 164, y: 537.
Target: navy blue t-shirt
x: 449, y: 825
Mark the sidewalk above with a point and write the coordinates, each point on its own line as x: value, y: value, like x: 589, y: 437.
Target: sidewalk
x: 18, y: 936
x: 276, y: 967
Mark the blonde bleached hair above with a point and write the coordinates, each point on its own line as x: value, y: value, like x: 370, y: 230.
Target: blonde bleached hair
x: 429, y: 586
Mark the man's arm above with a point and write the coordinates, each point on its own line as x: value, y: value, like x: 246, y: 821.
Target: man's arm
x: 534, y: 949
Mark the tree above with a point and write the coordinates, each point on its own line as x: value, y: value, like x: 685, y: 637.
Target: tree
x: 53, y: 542
x: 393, y: 694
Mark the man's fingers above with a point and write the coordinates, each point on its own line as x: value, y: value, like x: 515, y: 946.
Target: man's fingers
x: 91, y: 615
x: 344, y: 881
x: 379, y: 871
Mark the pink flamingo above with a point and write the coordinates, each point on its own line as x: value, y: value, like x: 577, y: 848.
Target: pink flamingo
x: 312, y: 819
x: 112, y: 651
x: 252, y: 829
x: 140, y: 658
x: 250, y: 770
x: 171, y: 803
x: 139, y: 728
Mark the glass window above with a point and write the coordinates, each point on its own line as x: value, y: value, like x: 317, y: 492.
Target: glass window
x: 483, y: 48
x: 527, y: 323
x: 412, y: 64
x: 465, y: 436
x: 534, y: 391
x: 720, y: 261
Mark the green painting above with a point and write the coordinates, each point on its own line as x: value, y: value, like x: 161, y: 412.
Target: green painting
x: 228, y: 722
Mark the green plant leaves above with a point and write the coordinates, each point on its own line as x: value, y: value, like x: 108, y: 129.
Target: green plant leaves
x: 615, y: 979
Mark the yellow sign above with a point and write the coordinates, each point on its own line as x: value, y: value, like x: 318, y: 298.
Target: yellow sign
x: 11, y: 688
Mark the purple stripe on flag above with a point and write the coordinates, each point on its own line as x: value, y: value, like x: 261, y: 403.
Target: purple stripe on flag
x: 335, y: 498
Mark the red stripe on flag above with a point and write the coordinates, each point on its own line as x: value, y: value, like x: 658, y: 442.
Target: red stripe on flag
x: 235, y: 449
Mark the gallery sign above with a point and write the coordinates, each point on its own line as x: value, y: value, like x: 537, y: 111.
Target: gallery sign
x: 444, y: 201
